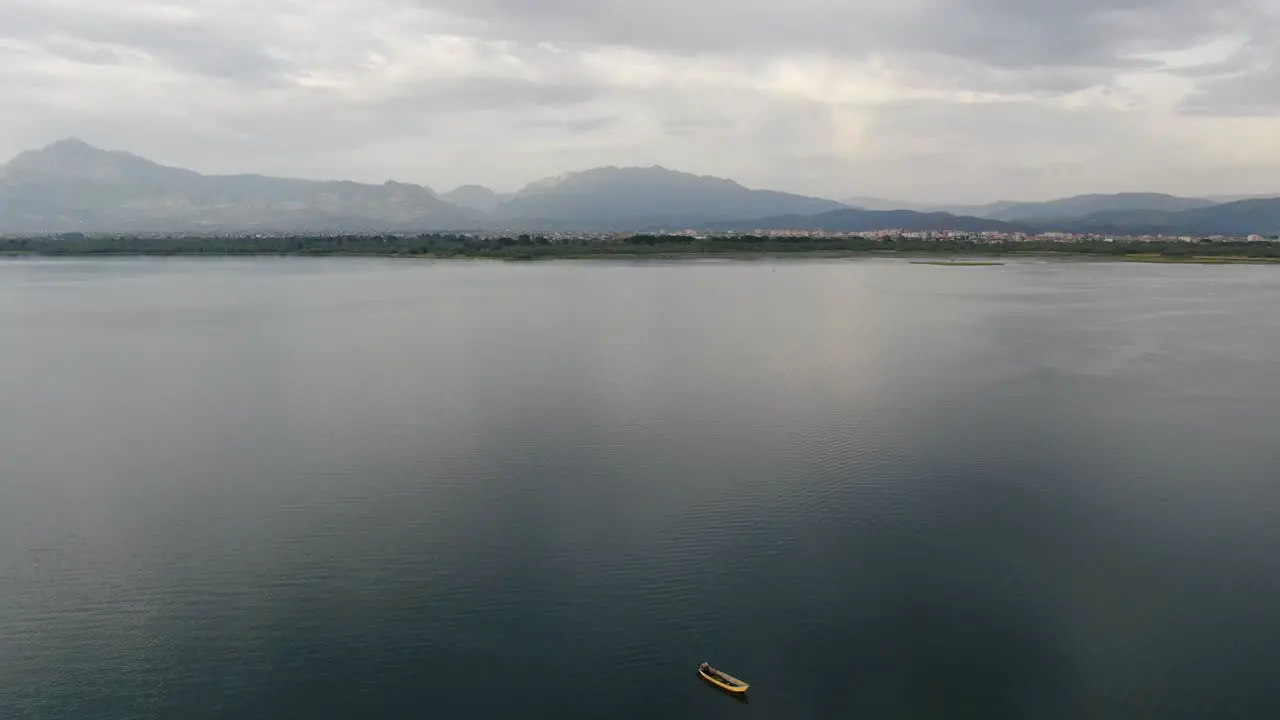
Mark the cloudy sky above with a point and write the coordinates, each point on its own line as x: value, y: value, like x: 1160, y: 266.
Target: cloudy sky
x: 938, y: 100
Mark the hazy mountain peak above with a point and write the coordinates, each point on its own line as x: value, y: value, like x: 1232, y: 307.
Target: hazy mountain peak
x: 70, y: 144
x: 620, y: 197
x: 75, y: 158
x: 62, y: 149
x: 74, y: 149
x: 593, y: 178
x: 71, y: 185
x: 408, y: 187
x: 477, y: 197
x: 66, y: 147
x: 547, y: 182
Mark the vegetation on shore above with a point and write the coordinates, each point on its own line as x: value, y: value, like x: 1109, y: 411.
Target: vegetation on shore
x: 533, y: 247
x: 1200, y: 259
x: 957, y: 263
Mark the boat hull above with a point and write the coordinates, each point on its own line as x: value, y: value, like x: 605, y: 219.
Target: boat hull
x: 726, y: 683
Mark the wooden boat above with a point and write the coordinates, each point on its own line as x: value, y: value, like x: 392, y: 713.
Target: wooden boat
x: 722, y: 680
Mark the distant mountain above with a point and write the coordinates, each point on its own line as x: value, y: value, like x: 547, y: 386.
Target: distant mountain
x: 1081, y: 206
x: 1244, y: 217
x: 613, y: 198
x: 476, y: 197
x: 1115, y: 221
x: 1073, y: 208
x: 866, y: 202
x: 1219, y: 199
x: 854, y: 220
x: 876, y: 203
x: 73, y: 186
x: 1260, y: 216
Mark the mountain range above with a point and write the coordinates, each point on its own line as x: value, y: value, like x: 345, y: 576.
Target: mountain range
x: 477, y: 197
x: 859, y: 220
x: 612, y: 198
x: 1070, y: 208
x: 72, y: 186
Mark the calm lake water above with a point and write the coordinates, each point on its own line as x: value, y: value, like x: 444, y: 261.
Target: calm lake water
x: 292, y: 488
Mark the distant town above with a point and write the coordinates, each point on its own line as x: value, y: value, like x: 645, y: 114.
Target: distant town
x: 993, y: 237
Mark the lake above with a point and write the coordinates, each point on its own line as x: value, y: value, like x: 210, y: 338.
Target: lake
x: 341, y: 488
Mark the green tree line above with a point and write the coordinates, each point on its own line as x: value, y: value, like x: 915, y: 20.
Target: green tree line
x: 531, y: 246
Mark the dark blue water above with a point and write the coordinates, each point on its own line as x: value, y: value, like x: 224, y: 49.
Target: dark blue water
x: 344, y: 488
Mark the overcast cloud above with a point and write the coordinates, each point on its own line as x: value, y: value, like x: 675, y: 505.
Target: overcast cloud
x: 944, y: 100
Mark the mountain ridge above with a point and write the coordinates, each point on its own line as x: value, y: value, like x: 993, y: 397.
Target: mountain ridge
x: 1080, y: 206
x: 1244, y: 217
x: 612, y: 197
x: 859, y: 220
x: 476, y: 197
x: 1065, y: 208
x: 70, y: 185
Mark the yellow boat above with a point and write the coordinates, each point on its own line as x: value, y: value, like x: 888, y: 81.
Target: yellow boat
x: 721, y: 679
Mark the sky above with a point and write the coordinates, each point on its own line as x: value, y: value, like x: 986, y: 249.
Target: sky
x: 923, y: 100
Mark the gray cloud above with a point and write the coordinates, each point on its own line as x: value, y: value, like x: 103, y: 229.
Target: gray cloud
x: 1083, y: 41
x: 1079, y: 33
x: 82, y: 52
x: 197, y: 43
x: 961, y: 100
x: 1247, y: 94
x: 583, y: 125
x: 1247, y: 82
x: 453, y: 95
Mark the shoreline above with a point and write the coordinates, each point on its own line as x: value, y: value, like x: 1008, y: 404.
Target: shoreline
x: 957, y: 259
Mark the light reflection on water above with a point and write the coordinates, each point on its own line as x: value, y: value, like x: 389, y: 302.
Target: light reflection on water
x: 339, y: 488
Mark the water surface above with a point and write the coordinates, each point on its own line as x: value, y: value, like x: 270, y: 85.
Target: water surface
x: 336, y: 488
